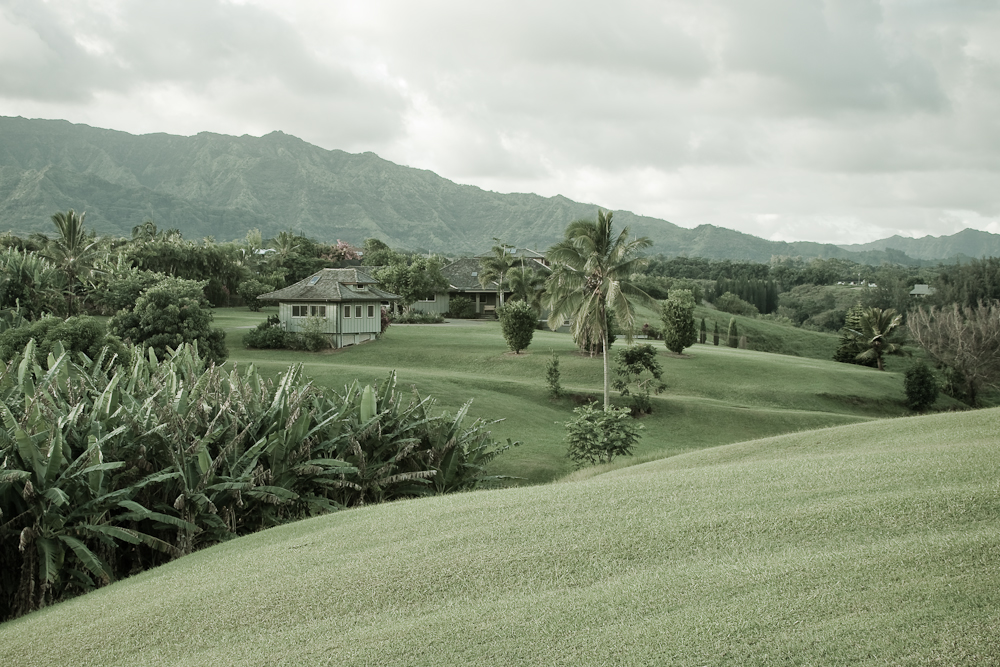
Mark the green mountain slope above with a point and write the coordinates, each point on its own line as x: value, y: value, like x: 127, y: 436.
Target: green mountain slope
x: 866, y: 544
x: 968, y: 243
x: 221, y: 186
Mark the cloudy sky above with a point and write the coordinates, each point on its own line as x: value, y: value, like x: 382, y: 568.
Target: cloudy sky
x: 839, y: 121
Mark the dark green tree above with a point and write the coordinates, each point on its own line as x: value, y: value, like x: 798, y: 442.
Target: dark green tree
x: 850, y: 345
x: 552, y: 377
x: 715, y: 335
x: 733, y: 335
x: 921, y: 387
x: 74, y: 253
x: 249, y: 290
x: 703, y: 332
x: 517, y: 322
x: 598, y: 436
x: 638, y: 374
x: 677, y: 315
x: 170, y: 314
x: 877, y: 335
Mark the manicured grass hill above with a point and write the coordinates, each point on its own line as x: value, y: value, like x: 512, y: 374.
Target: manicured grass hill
x: 866, y: 544
x: 714, y: 396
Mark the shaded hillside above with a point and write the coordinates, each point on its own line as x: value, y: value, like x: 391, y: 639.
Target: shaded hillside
x: 221, y: 186
x: 967, y: 243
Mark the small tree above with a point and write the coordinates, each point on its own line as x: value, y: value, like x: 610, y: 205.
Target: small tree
x: 733, y: 334
x: 249, y: 290
x: 921, y: 387
x: 850, y: 345
x: 876, y: 334
x: 517, y: 322
x: 170, y: 314
x: 677, y: 314
x: 703, y: 333
x: 552, y: 377
x: 599, y: 435
x: 715, y: 335
x: 637, y: 365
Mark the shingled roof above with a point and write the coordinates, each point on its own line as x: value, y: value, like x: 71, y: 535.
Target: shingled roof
x: 352, y: 284
x: 463, y: 274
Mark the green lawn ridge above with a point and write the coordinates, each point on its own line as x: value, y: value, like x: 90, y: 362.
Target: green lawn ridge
x: 872, y: 543
x: 714, y: 395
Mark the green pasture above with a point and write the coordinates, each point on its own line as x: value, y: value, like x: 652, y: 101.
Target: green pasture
x: 714, y: 396
x: 867, y: 544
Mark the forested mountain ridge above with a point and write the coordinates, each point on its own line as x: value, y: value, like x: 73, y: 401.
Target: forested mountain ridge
x: 221, y: 186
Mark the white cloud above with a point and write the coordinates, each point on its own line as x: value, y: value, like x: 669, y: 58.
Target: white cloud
x: 795, y: 119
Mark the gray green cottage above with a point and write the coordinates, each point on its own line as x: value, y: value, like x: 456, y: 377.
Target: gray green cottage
x: 345, y: 303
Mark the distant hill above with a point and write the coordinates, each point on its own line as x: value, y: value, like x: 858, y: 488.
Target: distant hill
x: 221, y: 186
x: 966, y: 243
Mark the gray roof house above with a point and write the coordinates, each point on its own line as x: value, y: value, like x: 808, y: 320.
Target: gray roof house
x: 346, y: 305
x: 922, y: 290
x: 463, y: 280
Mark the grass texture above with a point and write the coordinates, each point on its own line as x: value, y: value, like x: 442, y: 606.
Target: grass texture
x: 866, y: 544
x: 714, y: 396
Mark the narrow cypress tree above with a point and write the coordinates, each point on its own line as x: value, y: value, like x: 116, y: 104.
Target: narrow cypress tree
x: 715, y: 335
x: 703, y: 334
x: 734, y: 334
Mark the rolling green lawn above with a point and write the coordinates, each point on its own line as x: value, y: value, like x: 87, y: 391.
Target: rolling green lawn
x: 867, y: 544
x: 714, y: 396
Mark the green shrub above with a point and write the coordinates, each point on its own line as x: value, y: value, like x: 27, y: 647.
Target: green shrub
x: 599, y: 435
x: 249, y: 290
x: 637, y: 365
x: 733, y: 335
x: 677, y: 315
x: 552, y: 377
x: 418, y: 317
x: 517, y: 323
x: 730, y: 303
x: 462, y: 307
x: 81, y: 334
x: 172, y: 313
x: 921, y: 387
x: 268, y: 335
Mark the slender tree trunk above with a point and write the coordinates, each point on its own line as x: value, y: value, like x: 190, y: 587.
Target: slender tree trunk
x: 607, y: 392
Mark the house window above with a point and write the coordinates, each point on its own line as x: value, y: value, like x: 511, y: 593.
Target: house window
x: 347, y: 311
x: 317, y: 311
x: 434, y: 297
x: 371, y: 311
x: 300, y: 311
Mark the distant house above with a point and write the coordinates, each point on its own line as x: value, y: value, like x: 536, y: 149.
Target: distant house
x: 463, y: 280
x: 921, y: 291
x: 345, y: 303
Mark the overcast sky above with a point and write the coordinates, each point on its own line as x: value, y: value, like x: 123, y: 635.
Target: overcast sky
x: 842, y: 121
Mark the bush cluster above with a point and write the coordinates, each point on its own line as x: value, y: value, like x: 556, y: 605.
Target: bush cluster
x: 418, y: 317
x: 126, y: 468
x: 462, y: 307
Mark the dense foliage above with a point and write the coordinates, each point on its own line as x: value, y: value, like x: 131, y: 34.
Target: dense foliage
x: 598, y: 435
x: 518, y: 321
x: 921, y: 387
x: 637, y: 374
x: 106, y: 470
x: 677, y: 315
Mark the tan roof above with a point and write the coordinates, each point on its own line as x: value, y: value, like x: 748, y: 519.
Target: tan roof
x: 351, y: 284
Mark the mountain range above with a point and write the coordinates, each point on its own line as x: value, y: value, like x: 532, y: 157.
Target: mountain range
x: 222, y: 186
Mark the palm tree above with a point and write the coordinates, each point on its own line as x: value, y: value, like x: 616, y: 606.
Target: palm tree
x: 72, y: 252
x: 495, y: 268
x: 526, y: 284
x: 590, y: 280
x: 875, y: 335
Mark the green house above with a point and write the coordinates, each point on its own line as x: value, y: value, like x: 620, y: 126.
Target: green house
x: 345, y: 304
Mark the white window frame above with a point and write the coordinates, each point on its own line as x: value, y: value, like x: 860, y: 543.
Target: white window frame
x: 347, y: 311
x: 357, y: 311
x: 317, y: 311
x: 371, y: 311
x: 300, y: 311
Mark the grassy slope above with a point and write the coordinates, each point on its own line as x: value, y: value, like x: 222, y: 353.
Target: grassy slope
x: 715, y: 395
x: 873, y: 543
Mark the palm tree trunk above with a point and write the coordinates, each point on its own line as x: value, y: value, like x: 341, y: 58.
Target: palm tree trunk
x: 607, y: 391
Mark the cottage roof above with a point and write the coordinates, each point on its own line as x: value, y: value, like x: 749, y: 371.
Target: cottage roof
x: 353, y: 284
x: 922, y: 290
x: 463, y: 274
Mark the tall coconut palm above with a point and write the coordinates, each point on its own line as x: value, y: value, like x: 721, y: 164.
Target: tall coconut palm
x: 72, y: 252
x: 590, y: 279
x: 876, y: 334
